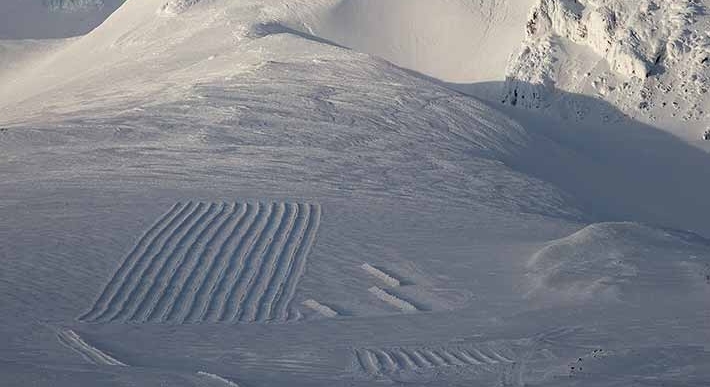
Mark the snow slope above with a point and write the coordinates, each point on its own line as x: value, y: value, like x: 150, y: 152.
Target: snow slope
x: 214, y: 193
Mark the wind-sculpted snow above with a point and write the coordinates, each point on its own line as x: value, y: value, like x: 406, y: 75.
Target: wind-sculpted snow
x: 625, y: 261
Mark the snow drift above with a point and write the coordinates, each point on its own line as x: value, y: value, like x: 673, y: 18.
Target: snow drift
x: 624, y: 261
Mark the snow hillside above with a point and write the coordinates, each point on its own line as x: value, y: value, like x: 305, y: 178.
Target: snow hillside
x: 648, y: 59
x: 291, y: 193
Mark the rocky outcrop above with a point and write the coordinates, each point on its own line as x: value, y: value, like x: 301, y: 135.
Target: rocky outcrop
x: 647, y: 52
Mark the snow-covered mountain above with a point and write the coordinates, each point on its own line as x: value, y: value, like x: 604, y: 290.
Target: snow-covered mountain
x: 354, y: 193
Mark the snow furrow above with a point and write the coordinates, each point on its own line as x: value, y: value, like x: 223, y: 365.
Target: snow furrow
x: 156, y: 265
x: 285, y: 259
x: 129, y: 263
x: 219, y: 261
x: 178, y: 275
x: 288, y: 290
x: 205, y: 257
x: 133, y: 277
x: 403, y: 360
x: 252, y: 260
x: 174, y: 259
x: 374, y: 361
x: 367, y: 361
x: 257, y: 290
x: 236, y: 260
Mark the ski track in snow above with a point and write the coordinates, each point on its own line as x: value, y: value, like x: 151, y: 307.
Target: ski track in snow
x: 213, y: 262
x: 92, y: 354
x: 375, y: 361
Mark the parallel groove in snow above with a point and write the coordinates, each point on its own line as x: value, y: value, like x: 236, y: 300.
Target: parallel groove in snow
x: 213, y: 262
x: 377, y: 361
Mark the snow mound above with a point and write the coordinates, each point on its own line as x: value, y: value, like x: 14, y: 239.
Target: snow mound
x: 636, y: 55
x: 622, y: 261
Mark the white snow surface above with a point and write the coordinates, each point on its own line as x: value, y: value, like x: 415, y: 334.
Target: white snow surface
x: 192, y: 189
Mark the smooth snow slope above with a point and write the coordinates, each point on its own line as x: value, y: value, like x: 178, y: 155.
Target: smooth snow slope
x: 203, y: 193
x: 453, y: 40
